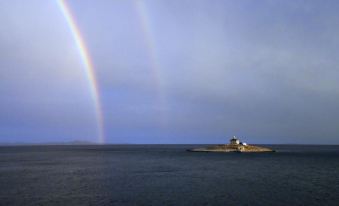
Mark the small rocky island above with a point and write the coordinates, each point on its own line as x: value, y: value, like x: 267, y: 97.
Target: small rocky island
x: 234, y: 146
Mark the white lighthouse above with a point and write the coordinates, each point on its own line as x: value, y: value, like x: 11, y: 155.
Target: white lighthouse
x: 234, y: 141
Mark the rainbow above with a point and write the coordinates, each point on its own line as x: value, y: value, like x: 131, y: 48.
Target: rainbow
x: 88, y: 66
x: 143, y: 16
x: 145, y: 22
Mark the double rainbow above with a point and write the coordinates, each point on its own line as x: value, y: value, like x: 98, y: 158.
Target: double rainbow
x: 143, y: 16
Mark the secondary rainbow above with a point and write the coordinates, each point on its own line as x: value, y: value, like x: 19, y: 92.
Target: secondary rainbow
x: 88, y: 66
x: 143, y: 15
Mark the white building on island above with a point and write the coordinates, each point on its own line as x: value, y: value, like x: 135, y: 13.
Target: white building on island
x: 234, y: 141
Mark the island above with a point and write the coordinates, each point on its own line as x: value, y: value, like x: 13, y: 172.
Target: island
x: 234, y: 146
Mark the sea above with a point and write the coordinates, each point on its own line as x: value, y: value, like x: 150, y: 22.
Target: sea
x: 167, y: 175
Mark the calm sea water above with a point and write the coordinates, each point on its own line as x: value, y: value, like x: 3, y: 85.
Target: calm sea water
x: 167, y: 175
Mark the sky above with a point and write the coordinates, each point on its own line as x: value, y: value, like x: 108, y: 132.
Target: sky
x: 170, y: 71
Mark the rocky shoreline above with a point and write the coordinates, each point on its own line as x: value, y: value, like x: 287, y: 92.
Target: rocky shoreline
x: 232, y: 148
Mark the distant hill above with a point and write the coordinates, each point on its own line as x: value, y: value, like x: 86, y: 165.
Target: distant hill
x: 75, y: 142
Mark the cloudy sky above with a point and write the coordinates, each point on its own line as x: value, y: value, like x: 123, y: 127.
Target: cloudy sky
x: 171, y: 71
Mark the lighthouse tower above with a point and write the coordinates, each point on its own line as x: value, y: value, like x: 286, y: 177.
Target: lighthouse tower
x: 234, y: 141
